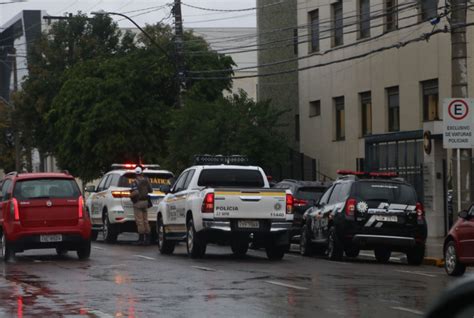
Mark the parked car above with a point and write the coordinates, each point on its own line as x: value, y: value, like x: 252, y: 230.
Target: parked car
x: 372, y: 211
x: 43, y: 210
x: 306, y: 194
x: 459, y: 244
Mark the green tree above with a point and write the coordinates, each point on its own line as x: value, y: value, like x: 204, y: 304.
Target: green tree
x: 7, y: 149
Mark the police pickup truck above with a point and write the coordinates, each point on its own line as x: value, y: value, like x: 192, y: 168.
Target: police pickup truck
x: 220, y: 201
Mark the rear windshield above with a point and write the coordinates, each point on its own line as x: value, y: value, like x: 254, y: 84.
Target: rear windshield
x: 46, y: 189
x: 231, y: 178
x: 156, y: 179
x: 310, y: 193
x: 385, y: 192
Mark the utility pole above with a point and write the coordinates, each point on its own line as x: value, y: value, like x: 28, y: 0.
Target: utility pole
x: 179, y: 48
x: 16, y: 135
x: 459, y: 87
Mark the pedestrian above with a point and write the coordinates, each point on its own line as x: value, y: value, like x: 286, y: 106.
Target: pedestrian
x: 140, y: 189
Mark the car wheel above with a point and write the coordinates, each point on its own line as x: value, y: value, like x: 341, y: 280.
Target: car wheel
x: 275, y: 252
x: 84, y: 252
x: 352, y: 251
x: 94, y: 234
x: 305, y: 244
x: 239, y: 247
x: 61, y: 251
x: 166, y: 247
x: 6, y: 249
x: 451, y: 262
x: 335, y: 250
x: 195, y: 245
x: 382, y: 255
x: 416, y: 255
x: 109, y: 231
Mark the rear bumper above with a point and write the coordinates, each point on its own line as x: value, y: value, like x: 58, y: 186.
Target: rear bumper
x: 231, y: 226
x: 69, y: 241
x: 366, y: 240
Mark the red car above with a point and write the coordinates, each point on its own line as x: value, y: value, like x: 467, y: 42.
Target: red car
x: 43, y: 210
x: 459, y: 244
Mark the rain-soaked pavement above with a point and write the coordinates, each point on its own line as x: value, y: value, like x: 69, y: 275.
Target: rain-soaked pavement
x: 123, y: 280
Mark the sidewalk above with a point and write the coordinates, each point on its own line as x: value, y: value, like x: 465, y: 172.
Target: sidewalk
x: 434, y: 251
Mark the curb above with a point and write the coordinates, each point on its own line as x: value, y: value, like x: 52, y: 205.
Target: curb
x: 438, y: 262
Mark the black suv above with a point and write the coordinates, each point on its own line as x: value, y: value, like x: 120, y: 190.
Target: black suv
x: 306, y: 194
x: 372, y: 211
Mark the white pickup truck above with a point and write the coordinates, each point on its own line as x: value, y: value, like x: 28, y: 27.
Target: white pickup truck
x: 225, y: 204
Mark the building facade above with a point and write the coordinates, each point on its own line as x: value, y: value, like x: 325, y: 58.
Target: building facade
x: 367, y: 95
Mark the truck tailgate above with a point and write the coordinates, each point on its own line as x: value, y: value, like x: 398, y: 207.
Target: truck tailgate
x: 250, y: 204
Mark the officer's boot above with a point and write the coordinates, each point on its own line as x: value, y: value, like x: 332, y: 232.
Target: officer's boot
x: 146, y: 239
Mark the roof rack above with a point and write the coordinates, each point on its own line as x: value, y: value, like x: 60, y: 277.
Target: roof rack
x: 220, y: 160
x: 367, y: 175
x: 13, y: 173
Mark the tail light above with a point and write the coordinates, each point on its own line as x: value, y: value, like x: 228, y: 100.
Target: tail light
x: 208, y: 204
x: 299, y: 203
x: 81, y: 207
x: 14, y: 210
x: 290, y: 202
x: 121, y: 194
x: 420, y: 211
x: 351, y: 207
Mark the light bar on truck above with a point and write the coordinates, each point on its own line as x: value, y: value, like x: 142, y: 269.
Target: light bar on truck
x: 220, y: 160
x: 131, y: 166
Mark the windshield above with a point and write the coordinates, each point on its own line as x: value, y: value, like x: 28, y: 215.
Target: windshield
x: 376, y: 192
x: 310, y: 193
x: 231, y: 178
x: 46, y: 189
x: 156, y: 179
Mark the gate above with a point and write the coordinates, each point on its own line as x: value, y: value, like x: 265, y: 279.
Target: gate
x: 400, y: 152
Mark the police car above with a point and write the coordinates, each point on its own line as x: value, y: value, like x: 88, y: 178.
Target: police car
x: 109, y: 203
x: 372, y: 211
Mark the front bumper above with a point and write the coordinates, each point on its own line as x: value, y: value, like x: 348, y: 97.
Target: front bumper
x: 231, y: 226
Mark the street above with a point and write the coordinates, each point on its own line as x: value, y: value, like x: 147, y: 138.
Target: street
x: 123, y: 280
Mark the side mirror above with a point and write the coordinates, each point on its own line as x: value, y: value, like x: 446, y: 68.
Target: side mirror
x: 165, y: 188
x: 90, y: 188
x: 463, y: 214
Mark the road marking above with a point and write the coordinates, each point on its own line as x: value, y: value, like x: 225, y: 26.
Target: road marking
x: 373, y: 256
x: 416, y: 273
x: 98, y: 248
x: 413, y: 311
x: 285, y: 285
x: 145, y: 257
x: 207, y: 269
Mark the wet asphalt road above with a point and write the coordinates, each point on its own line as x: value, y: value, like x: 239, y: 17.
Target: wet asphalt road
x: 123, y: 280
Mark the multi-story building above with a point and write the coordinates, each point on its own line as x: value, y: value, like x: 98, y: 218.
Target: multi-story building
x: 371, y: 112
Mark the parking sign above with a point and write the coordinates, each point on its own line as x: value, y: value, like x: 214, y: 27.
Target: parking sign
x: 458, y: 123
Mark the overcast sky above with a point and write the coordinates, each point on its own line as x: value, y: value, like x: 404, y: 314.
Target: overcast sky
x: 192, y: 17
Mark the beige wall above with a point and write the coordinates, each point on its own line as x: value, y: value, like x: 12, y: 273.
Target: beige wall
x: 404, y: 67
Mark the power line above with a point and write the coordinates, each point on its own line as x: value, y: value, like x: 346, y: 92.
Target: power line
x: 233, y: 10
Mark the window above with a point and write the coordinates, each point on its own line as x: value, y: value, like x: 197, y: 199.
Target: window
x: 336, y: 194
x: 340, y: 118
x: 324, y: 199
x: 364, y: 19
x: 297, y: 127
x: 115, y: 180
x: 189, y: 178
x: 315, y: 108
x: 430, y: 100
x: 101, y: 185
x: 295, y: 41
x: 179, y: 186
x: 428, y: 9
x: 393, y: 99
x: 338, y: 35
x: 231, y: 178
x: 6, y: 189
x: 46, y: 188
x: 366, y: 112
x: 314, y: 30
x: 391, y: 16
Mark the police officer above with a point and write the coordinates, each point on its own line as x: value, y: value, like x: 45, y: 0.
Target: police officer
x: 140, y: 207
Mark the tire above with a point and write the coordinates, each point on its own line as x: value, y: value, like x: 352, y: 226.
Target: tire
x: 451, y: 261
x: 7, y: 252
x: 275, y: 252
x: 239, y: 247
x: 416, y: 255
x: 305, y: 244
x: 352, y: 251
x: 84, y: 252
x: 335, y: 249
x: 61, y: 251
x: 109, y: 231
x: 382, y: 255
x: 165, y: 246
x: 94, y: 234
x: 195, y: 245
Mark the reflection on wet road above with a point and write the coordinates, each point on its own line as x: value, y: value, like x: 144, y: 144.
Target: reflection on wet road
x: 123, y: 280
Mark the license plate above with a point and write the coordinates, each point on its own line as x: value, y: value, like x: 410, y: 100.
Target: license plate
x: 248, y: 224
x: 383, y: 218
x: 51, y: 238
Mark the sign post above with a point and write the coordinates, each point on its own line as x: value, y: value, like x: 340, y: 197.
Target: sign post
x: 458, y: 129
